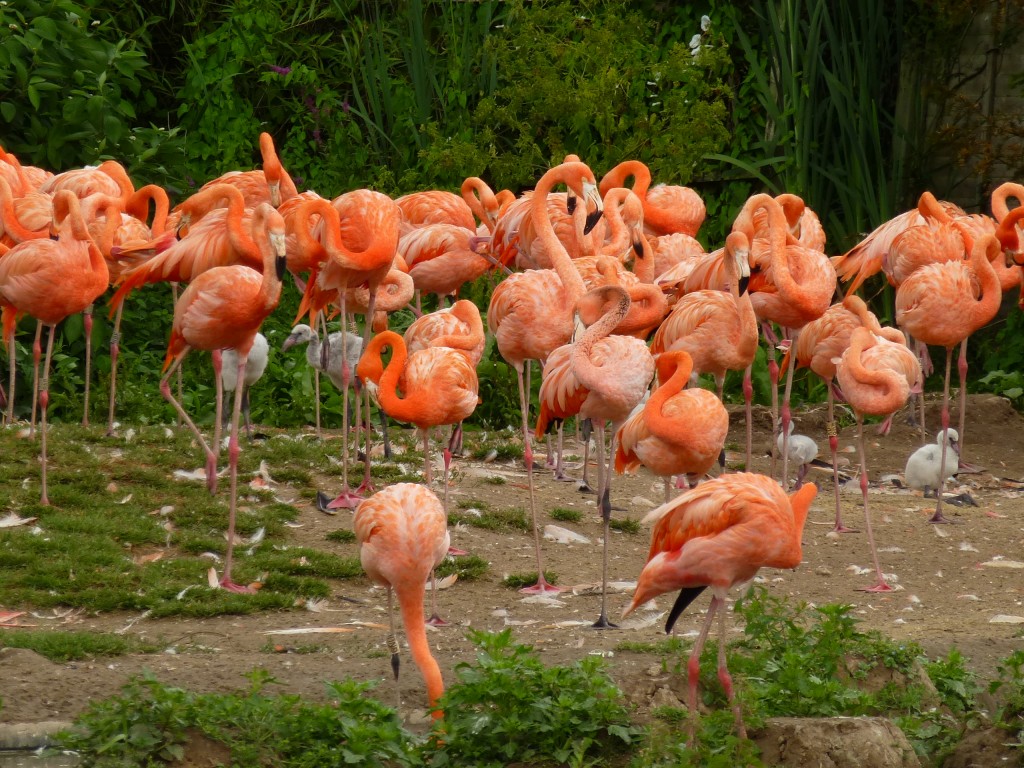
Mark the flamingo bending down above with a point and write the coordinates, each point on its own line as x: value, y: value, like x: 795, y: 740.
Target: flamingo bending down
x: 51, y: 279
x: 607, y: 376
x: 679, y: 431
x: 403, y: 536
x: 223, y: 308
x: 271, y: 185
x: 717, y: 535
x: 531, y: 313
x: 876, y: 376
x: 938, y: 304
x: 667, y: 208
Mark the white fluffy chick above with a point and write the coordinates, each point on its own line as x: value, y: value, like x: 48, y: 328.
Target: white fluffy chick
x: 255, y: 365
x: 922, y: 470
x: 802, y: 451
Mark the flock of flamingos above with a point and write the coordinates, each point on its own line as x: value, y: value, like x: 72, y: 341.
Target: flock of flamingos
x: 600, y: 331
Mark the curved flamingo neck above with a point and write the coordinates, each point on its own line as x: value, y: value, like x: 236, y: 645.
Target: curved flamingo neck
x: 892, y: 388
x: 617, y: 176
x: 12, y: 225
x: 394, y: 405
x: 116, y: 171
x: 930, y: 208
x: 481, y: 201
x: 205, y: 200
x: 674, y: 370
x: 1001, y: 196
x: 268, y: 239
x: 473, y: 337
x: 138, y: 207
x: 1007, y: 233
x: 567, y: 272
x: 588, y: 374
x: 68, y: 220
x: 410, y: 601
x: 314, y: 250
x: 982, y: 311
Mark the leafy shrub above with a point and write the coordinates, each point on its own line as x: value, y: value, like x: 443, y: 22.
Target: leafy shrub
x: 510, y: 707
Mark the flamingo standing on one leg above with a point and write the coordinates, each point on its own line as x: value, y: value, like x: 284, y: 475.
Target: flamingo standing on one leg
x: 531, y: 313
x: 607, y: 376
x: 51, y: 279
x: 679, y: 431
x: 403, y: 536
x: 876, y: 377
x: 938, y: 304
x: 719, y: 535
x: 223, y: 308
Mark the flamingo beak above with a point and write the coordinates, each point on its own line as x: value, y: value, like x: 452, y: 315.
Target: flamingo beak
x: 275, y: 193
x: 638, y: 247
x: 570, y: 202
x: 290, y: 342
x: 744, y: 282
x: 280, y: 262
x: 592, y: 195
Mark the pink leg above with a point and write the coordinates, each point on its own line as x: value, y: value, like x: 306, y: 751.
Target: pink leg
x: 542, y: 587
x: 559, y: 469
x: 37, y: 353
x: 181, y: 397
x: 773, y: 377
x: 748, y: 397
x: 44, y: 400
x: 833, y: 444
x: 87, y: 323
x: 367, y: 487
x: 10, y: 379
x: 693, y: 671
x: 786, y: 416
x: 233, y: 450
x: 962, y: 396
x: 218, y: 366
x: 723, y: 673
x: 347, y: 499
x: 211, y: 457
x: 605, y: 505
x: 881, y: 586
x: 938, y: 516
x: 115, y: 352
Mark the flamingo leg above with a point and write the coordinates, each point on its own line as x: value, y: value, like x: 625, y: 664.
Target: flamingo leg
x: 773, y: 377
x: 181, y: 386
x: 427, y: 473
x: 723, y: 673
x: 367, y: 485
x: 44, y: 401
x: 604, y: 494
x: 347, y: 498
x: 87, y: 323
x: 115, y: 352
x: 833, y: 444
x: 10, y: 379
x: 542, y: 586
x: 881, y: 586
x: 922, y: 353
x: 559, y: 465
x: 37, y: 353
x: 586, y: 430
x: 786, y: 415
x: 392, y: 643
x: 233, y: 451
x: 211, y: 457
x: 218, y: 366
x: 938, y: 516
x: 748, y: 396
x: 962, y: 395
x: 693, y: 670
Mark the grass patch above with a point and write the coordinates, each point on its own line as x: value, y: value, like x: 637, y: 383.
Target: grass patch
x: 74, y: 646
x: 520, y: 580
x: 668, y: 646
x: 625, y: 525
x: 495, y: 480
x: 511, y: 519
x: 342, y: 535
x: 468, y: 567
x: 566, y: 515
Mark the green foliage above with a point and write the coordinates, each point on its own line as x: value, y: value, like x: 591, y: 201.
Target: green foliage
x: 73, y: 646
x: 1009, y: 686
x: 150, y: 724
x: 509, y: 706
x: 520, y: 580
x: 73, y: 90
x: 566, y: 515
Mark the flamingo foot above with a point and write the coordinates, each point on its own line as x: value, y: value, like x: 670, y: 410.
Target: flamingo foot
x: 365, y: 487
x: 231, y: 586
x: 563, y: 478
x: 347, y: 499
x: 454, y: 552
x: 542, y: 587
x: 938, y: 518
x: 840, y: 528
x: 603, y: 623
x: 881, y: 586
x: 437, y: 621
x: 584, y: 487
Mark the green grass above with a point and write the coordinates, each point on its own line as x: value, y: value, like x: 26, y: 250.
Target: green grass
x: 468, y: 567
x: 520, y: 580
x: 60, y: 646
x: 512, y: 519
x: 566, y: 515
x: 625, y: 525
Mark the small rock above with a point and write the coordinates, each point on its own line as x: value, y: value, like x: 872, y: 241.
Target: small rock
x: 835, y: 742
x: 822, y: 570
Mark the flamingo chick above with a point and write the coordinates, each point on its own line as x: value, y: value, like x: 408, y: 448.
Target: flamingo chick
x: 925, y: 464
x: 802, y: 451
x: 403, y: 535
x: 717, y: 535
x: 254, y: 368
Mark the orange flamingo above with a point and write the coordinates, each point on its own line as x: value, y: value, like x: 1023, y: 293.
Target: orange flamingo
x: 442, y: 257
x: 719, y: 535
x: 605, y: 377
x: 403, y: 535
x: 876, y: 377
x: 938, y: 304
x: 482, y: 201
x: 435, y: 206
x: 820, y: 344
x: 530, y: 313
x: 271, y: 185
x: 223, y: 308
x: 679, y: 431
x: 667, y: 208
x: 718, y: 329
x: 108, y: 178
x: 794, y: 288
x: 51, y: 279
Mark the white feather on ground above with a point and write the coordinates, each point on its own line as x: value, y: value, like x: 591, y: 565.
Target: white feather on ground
x: 922, y: 471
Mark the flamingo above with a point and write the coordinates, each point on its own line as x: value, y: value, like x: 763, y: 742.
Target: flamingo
x: 440, y: 387
x: 271, y: 185
x: 51, y: 279
x: 938, y: 304
x: 435, y: 206
x: 403, y: 536
x: 254, y: 367
x: 605, y: 377
x: 926, y: 463
x: 667, y: 208
x: 876, y: 376
x: 795, y: 287
x: 223, y: 308
x: 802, y: 451
x: 718, y: 329
x: 530, y: 313
x: 718, y: 535
x: 819, y: 345
x: 442, y: 257
x: 679, y: 431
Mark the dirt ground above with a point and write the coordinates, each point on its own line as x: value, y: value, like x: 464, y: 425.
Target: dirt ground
x: 958, y: 585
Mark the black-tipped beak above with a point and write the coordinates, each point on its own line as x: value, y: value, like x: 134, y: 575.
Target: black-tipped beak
x: 638, y: 248
x: 592, y: 219
x: 570, y: 203
x: 744, y: 282
x: 280, y: 266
